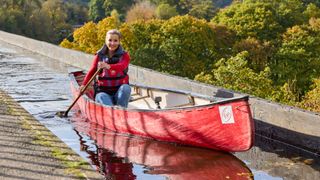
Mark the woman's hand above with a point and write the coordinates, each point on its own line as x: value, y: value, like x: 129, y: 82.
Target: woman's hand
x: 103, y: 65
x: 82, y: 88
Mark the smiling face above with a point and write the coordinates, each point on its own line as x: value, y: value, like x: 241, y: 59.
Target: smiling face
x: 112, y: 42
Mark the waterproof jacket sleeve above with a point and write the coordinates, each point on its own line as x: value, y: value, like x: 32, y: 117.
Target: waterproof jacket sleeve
x: 92, y: 70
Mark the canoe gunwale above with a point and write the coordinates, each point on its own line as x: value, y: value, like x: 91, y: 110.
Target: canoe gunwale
x: 175, y: 124
x: 219, y: 102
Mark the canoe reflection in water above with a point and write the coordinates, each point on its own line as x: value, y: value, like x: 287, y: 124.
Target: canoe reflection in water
x: 116, y: 155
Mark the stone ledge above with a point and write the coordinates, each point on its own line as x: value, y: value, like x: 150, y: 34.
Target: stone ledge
x: 23, y: 134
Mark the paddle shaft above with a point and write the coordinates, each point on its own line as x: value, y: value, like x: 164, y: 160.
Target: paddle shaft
x: 82, y: 91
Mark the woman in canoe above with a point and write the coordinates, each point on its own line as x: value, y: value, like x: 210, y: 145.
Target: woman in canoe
x: 112, y: 85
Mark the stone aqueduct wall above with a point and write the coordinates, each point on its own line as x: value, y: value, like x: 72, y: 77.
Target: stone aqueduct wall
x: 285, y: 123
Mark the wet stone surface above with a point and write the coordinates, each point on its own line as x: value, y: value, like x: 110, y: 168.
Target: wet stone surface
x: 41, y: 86
x: 23, y: 155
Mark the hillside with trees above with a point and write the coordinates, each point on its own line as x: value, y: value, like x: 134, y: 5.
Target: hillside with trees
x: 47, y: 20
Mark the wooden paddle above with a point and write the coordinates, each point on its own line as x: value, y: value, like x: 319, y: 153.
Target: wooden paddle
x: 65, y: 113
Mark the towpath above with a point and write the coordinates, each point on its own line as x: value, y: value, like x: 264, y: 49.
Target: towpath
x: 28, y: 150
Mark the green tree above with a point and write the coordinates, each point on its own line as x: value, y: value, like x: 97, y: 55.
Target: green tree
x: 312, y: 99
x: 297, y: 61
x: 172, y: 3
x: 165, y: 11
x: 189, y: 43
x: 197, y: 8
x: 312, y: 11
x: 77, y: 13
x: 285, y: 95
x: 56, y: 12
x: 264, y: 19
x: 250, y: 20
x: 47, y: 20
x: 13, y: 20
x: 182, y: 45
x: 316, y: 2
x: 260, y: 52
x: 96, y: 10
x: 41, y: 27
x: 141, y: 39
x: 28, y: 5
x: 122, y: 6
x: 222, y: 3
x: 234, y: 73
x: 203, y: 9
x: 14, y: 15
x: 224, y: 39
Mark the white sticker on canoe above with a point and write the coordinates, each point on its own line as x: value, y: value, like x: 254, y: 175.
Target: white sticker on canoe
x: 226, y: 114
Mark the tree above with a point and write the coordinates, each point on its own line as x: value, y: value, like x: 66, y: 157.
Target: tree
x: 234, y: 73
x: 189, y: 43
x: 290, y: 13
x: 165, y: 11
x: 96, y: 10
x: 56, y: 12
x: 250, y: 20
x: 263, y: 20
x: 108, y: 23
x: 172, y: 3
x: 41, y: 27
x: 140, y: 38
x: 90, y: 37
x: 224, y: 39
x: 260, y: 52
x: 122, y: 6
x: 13, y: 20
x: 297, y: 61
x: 143, y: 10
x: 85, y: 39
x: 312, y: 11
x: 182, y: 45
x: 222, y: 3
x: 284, y: 94
x: 14, y: 15
x: 203, y: 9
x: 316, y: 2
x: 311, y: 101
x: 77, y: 13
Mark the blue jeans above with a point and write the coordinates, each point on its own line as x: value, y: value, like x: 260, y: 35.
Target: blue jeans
x: 121, y: 98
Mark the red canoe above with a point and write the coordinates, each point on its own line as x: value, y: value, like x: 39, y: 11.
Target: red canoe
x: 174, y: 116
x: 116, y: 153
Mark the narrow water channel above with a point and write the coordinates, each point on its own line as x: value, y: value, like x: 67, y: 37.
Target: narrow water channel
x: 41, y: 86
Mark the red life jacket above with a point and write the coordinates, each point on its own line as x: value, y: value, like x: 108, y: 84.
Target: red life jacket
x: 109, y: 80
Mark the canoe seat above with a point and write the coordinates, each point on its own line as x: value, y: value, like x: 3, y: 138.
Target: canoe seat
x: 137, y: 92
x: 144, y: 98
x: 190, y: 103
x: 137, y: 98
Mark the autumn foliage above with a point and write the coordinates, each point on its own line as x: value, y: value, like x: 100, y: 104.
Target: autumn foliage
x: 269, y: 49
